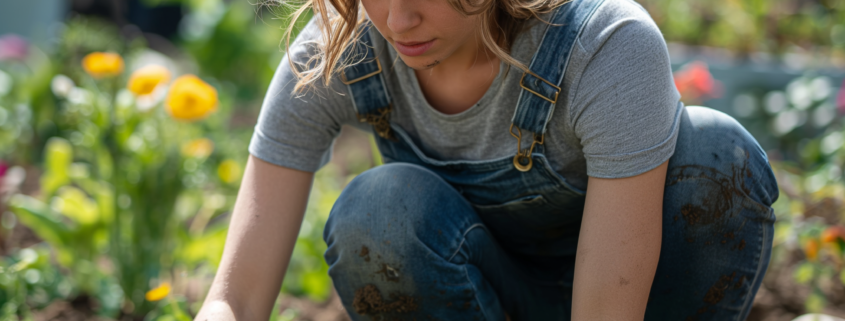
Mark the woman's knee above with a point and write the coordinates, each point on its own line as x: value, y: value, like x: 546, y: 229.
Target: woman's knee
x: 715, y: 144
x: 396, y: 189
x: 397, y: 203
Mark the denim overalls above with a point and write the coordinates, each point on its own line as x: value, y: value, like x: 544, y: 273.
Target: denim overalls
x: 426, y: 239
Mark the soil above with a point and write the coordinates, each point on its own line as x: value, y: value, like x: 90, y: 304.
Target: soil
x: 331, y: 310
x: 365, y: 253
x: 368, y: 301
x: 80, y: 308
x: 717, y: 292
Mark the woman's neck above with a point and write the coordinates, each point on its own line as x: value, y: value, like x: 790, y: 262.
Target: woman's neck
x: 458, y: 82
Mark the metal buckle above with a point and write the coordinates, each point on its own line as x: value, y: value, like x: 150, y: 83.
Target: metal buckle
x: 521, y: 84
x: 526, y: 153
x: 380, y: 122
x: 345, y: 81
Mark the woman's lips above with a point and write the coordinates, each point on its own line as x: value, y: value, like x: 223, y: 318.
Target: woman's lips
x: 413, y: 48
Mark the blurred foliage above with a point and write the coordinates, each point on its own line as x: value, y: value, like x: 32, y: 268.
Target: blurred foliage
x: 802, y: 120
x: 117, y: 165
x: 128, y: 192
x: 28, y: 280
x: 747, y: 26
x: 809, y: 235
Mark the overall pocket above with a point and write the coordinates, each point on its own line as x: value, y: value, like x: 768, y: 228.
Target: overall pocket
x: 531, y: 225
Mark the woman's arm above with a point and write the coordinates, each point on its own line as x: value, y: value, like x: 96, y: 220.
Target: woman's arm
x: 263, y: 229
x: 619, y: 246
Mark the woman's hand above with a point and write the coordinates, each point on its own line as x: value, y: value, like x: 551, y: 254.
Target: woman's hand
x: 215, y: 310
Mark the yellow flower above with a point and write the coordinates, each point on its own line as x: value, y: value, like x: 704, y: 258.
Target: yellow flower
x: 158, y: 293
x: 102, y: 64
x: 144, y: 80
x: 229, y: 171
x: 199, y: 148
x: 191, y: 99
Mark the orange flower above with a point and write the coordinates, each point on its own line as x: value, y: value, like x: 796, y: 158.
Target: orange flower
x: 144, y: 80
x: 811, y: 249
x: 831, y: 234
x: 158, y: 293
x: 191, y: 99
x: 103, y: 64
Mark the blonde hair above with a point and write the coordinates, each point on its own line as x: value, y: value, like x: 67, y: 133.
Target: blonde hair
x: 339, y: 23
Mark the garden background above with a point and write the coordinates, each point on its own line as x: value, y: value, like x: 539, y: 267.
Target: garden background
x: 124, y: 126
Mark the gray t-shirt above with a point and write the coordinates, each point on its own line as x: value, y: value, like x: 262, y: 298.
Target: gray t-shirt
x: 617, y: 115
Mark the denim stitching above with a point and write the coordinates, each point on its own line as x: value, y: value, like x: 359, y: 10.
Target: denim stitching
x: 750, y: 297
x: 475, y: 292
x: 464, y: 238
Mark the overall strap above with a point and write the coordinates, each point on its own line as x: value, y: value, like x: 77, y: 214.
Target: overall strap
x: 540, y: 94
x: 366, y: 83
x: 537, y: 100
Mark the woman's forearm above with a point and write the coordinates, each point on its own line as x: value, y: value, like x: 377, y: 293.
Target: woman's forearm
x: 262, y: 232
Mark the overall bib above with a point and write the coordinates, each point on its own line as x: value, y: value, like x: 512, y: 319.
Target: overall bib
x: 426, y: 239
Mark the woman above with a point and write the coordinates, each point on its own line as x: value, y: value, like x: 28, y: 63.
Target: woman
x: 494, y: 117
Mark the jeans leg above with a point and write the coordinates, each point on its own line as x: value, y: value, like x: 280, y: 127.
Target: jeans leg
x: 717, y: 222
x: 399, y: 241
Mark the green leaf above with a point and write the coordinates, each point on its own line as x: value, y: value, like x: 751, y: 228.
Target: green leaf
x: 75, y: 204
x: 207, y: 248
x: 317, y: 284
x: 58, y: 157
x: 815, y: 302
x: 804, y: 273
x: 38, y: 216
x: 376, y: 154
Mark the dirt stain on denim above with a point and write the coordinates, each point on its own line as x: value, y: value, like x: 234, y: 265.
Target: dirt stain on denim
x: 739, y: 246
x: 365, y: 253
x: 739, y: 283
x: 368, y: 301
x: 719, y: 195
x: 717, y: 292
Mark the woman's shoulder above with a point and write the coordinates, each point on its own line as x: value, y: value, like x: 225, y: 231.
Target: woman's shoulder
x: 613, y: 18
x: 619, y: 16
x: 304, y: 45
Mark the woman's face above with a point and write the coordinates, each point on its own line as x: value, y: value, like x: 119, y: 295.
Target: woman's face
x: 424, y: 32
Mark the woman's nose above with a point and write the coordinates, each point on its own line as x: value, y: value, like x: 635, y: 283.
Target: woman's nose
x: 403, y: 16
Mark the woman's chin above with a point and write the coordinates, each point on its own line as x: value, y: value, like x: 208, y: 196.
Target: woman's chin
x: 420, y: 63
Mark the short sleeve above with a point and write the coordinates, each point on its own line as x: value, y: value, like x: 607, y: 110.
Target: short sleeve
x: 626, y: 110
x: 297, y: 130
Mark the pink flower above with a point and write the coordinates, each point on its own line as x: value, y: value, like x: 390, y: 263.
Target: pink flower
x: 840, y: 99
x: 13, y: 47
x: 3, y: 168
